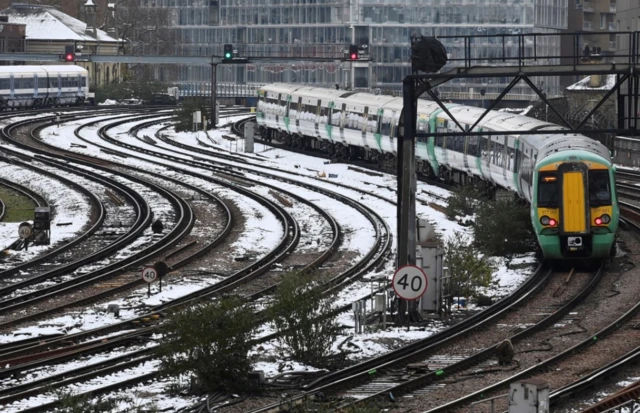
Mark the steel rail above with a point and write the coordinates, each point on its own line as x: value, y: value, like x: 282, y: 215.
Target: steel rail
x: 183, y: 212
x: 485, y: 353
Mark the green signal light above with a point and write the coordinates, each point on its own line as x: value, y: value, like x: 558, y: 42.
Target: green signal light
x: 227, y: 55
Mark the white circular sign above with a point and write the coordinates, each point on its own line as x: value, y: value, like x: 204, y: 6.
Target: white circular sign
x: 410, y: 282
x: 149, y: 274
x: 25, y: 230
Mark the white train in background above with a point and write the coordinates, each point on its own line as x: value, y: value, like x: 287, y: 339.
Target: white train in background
x: 43, y: 86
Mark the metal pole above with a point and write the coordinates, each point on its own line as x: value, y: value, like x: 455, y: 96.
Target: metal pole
x: 407, y: 186
x: 214, y: 120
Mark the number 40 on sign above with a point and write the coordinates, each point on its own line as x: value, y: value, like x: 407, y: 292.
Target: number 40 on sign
x: 410, y: 282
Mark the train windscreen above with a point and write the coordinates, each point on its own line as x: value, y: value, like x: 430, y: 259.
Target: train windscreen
x: 599, y: 189
x: 548, y: 190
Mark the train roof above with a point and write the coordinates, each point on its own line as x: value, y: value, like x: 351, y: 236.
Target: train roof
x: 42, y: 69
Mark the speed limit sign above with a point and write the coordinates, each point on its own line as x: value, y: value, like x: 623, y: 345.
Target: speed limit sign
x: 410, y: 282
x: 149, y: 274
x: 25, y: 230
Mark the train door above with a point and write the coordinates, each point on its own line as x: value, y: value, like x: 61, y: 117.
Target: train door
x: 277, y: 109
x: 317, y: 118
x: 59, y: 85
x: 573, y: 208
x: 299, y: 109
x: 328, y: 121
x: 286, y: 113
x: 393, y: 145
x: 343, y: 116
x: 12, y: 86
x: 35, y: 86
x: 364, y: 126
x: 79, y: 85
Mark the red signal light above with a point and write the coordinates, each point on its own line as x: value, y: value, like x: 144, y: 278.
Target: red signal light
x: 68, y: 57
x: 354, y: 56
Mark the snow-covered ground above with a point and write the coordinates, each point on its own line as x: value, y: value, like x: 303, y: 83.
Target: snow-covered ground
x: 367, y: 344
x: 69, y: 209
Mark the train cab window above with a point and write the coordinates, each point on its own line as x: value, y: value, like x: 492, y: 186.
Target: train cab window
x: 599, y: 190
x: 548, y: 190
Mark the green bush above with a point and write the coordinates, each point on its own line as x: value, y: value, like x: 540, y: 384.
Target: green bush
x: 503, y: 228
x: 211, y: 340
x: 469, y: 270
x: 184, y: 113
x: 304, y: 317
x: 462, y: 202
x: 138, y: 89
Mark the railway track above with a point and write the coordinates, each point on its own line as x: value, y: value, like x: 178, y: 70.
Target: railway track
x: 354, y: 268
x: 37, y: 200
x: 231, y: 171
x: 14, y: 354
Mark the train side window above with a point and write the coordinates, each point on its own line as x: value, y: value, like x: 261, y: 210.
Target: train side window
x: 385, y: 127
x: 472, y: 146
x: 336, y: 115
x: 309, y: 112
x: 372, y: 123
x: 547, y: 190
x: 293, y: 109
x: 4, y: 84
x: 599, y: 190
x: 323, y: 114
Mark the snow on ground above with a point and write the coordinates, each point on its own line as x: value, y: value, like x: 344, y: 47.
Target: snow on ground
x: 367, y: 344
x: 69, y: 209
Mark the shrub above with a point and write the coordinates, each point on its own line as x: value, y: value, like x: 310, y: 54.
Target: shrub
x: 462, y: 202
x: 467, y: 268
x: 304, y: 317
x: 504, y: 228
x: 211, y: 340
x: 184, y: 113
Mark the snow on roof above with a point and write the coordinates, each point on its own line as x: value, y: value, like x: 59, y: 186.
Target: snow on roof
x: 608, y: 83
x: 49, y: 23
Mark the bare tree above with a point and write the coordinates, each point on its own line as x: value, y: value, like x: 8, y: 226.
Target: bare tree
x: 146, y: 29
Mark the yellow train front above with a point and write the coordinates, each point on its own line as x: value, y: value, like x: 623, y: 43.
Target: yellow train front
x: 575, y: 210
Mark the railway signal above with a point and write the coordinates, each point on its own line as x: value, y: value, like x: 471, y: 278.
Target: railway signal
x: 69, y: 53
x: 227, y: 52
x: 353, y: 52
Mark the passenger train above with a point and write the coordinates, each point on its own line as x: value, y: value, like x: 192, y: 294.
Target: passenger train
x: 42, y: 86
x: 568, y: 179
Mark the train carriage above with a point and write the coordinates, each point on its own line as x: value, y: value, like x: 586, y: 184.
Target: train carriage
x: 568, y: 179
x: 41, y: 86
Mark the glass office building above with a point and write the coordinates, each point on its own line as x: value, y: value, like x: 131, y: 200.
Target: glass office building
x: 382, y: 28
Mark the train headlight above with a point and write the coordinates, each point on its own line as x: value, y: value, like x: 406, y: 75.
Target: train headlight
x: 553, y: 222
x: 544, y: 220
